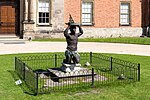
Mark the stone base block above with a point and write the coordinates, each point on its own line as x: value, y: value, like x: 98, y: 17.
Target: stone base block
x: 57, y: 72
x: 70, y: 67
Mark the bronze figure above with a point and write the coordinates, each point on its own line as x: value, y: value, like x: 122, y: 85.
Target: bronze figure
x: 72, y: 40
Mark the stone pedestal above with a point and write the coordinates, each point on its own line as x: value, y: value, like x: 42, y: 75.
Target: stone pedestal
x: 28, y: 29
x: 82, y: 72
x: 60, y: 78
x: 70, y: 67
x: 73, y: 73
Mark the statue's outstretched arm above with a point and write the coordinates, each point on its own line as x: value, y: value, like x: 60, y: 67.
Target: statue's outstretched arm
x: 80, y: 31
x: 66, y: 31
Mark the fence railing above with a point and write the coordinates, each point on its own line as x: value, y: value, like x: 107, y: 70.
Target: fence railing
x: 117, y: 66
x: 103, y: 70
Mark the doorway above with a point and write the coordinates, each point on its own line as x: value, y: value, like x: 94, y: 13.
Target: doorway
x: 9, y: 17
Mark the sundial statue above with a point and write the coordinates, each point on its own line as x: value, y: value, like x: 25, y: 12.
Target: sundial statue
x: 71, y: 53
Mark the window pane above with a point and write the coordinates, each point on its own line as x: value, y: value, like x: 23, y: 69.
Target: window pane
x: 40, y: 20
x: 40, y: 14
x: 40, y: 4
x: 43, y: 4
x: 47, y: 9
x: 88, y: 20
x: 47, y: 14
x: 40, y: 9
x: 124, y: 11
x: 89, y: 5
x: 44, y: 14
x: 47, y: 5
x: 83, y: 5
x: 124, y: 16
x: 47, y: 20
x: 83, y: 20
x: 83, y: 11
x: 124, y: 21
x: 88, y: 10
x: 83, y: 15
x: 44, y: 20
x: 88, y: 16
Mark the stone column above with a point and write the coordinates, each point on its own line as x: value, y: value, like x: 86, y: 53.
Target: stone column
x: 25, y: 10
x: 28, y: 24
x: 31, y: 10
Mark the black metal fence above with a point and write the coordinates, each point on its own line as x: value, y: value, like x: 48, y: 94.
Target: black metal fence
x: 103, y: 70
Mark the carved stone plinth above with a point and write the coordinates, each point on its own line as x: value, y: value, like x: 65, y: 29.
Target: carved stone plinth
x: 57, y: 72
x: 70, y: 67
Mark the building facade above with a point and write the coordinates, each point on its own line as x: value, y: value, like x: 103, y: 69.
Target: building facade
x: 98, y: 18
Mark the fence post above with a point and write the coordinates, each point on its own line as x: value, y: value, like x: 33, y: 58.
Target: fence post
x: 138, y: 72
x: 24, y: 70
x: 90, y: 57
x: 111, y: 63
x: 55, y: 60
x: 92, y: 77
x: 15, y: 63
x: 36, y: 88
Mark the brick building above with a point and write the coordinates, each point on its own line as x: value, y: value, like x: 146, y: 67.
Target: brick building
x: 98, y: 18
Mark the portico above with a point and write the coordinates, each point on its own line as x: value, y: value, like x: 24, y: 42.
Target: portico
x: 31, y: 18
x: 43, y: 18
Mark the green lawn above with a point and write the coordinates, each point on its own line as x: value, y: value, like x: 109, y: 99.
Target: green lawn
x: 129, y: 40
x: 135, y: 91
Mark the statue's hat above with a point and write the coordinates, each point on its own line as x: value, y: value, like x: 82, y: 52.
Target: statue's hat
x: 71, y: 21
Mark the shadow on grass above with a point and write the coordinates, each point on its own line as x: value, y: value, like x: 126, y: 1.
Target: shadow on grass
x: 23, y: 85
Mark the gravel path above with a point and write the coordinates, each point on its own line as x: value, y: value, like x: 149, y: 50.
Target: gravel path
x: 37, y: 47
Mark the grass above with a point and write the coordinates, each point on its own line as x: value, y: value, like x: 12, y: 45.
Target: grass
x: 133, y: 91
x: 128, y: 40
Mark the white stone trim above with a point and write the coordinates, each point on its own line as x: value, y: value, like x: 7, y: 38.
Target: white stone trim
x: 111, y: 32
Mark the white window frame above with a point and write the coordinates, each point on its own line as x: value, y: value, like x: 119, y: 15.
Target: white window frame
x: 44, y: 8
x: 124, y: 13
x: 87, y: 13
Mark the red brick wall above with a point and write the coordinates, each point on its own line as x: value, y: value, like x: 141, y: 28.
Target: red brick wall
x: 106, y: 12
x: 72, y: 7
x: 136, y: 13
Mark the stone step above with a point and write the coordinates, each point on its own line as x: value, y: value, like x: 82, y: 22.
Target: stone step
x: 8, y: 36
x: 11, y: 40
